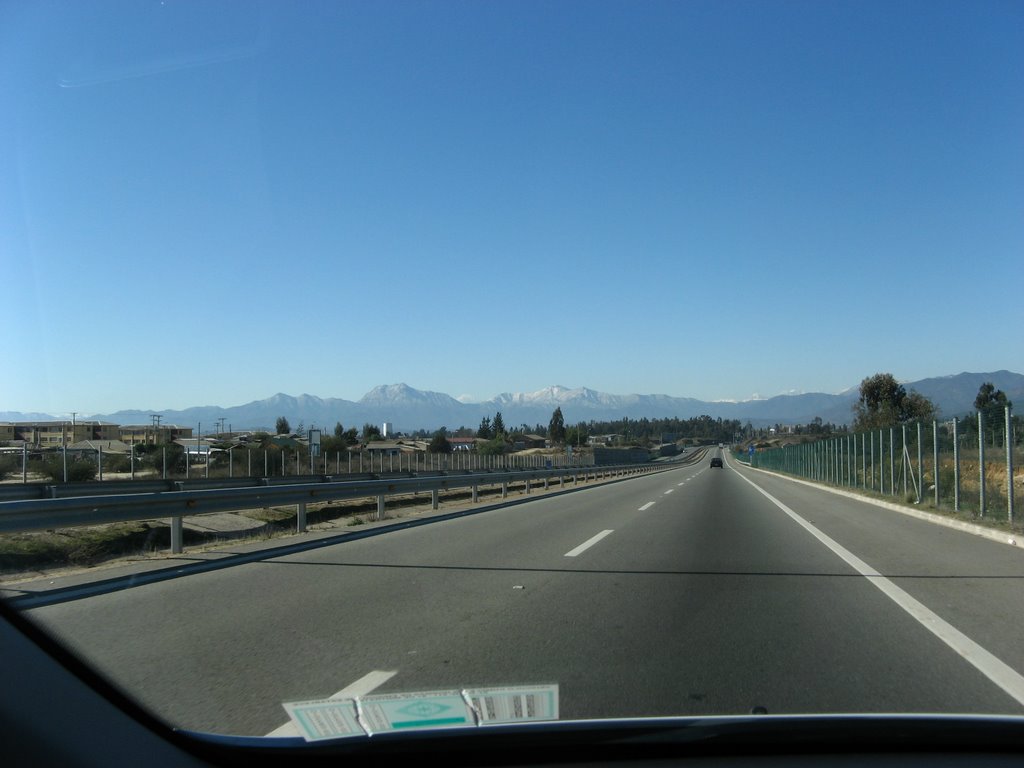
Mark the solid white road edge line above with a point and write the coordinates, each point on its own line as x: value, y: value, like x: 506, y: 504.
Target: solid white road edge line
x: 587, y: 544
x: 1000, y: 673
x: 361, y: 687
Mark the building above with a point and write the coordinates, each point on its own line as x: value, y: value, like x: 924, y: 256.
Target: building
x: 54, y: 434
x: 148, y: 434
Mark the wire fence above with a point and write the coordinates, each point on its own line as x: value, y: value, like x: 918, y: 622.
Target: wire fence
x: 961, y: 466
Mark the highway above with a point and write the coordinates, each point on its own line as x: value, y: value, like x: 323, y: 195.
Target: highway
x: 688, y: 592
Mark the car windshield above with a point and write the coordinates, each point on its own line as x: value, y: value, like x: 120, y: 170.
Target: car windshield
x: 377, y: 366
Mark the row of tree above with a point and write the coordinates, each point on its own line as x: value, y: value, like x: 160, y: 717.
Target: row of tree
x: 884, y: 402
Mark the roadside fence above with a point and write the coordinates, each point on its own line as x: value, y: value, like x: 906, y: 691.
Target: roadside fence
x: 964, y: 466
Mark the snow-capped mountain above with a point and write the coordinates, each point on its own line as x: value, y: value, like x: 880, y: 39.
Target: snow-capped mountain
x: 410, y: 409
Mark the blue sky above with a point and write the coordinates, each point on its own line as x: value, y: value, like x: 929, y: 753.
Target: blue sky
x: 206, y: 203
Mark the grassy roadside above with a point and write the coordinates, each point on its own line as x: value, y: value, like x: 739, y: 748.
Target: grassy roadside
x: 995, y: 517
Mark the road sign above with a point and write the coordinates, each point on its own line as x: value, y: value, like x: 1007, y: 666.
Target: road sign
x: 750, y: 450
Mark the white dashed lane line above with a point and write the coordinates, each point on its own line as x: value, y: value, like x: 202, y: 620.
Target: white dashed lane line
x: 587, y: 544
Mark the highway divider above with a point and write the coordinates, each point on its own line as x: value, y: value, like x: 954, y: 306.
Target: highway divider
x: 66, y: 512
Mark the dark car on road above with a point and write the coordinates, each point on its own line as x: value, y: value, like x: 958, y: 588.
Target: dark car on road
x: 716, y: 462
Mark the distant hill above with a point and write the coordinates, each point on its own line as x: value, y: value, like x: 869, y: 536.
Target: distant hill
x: 409, y: 408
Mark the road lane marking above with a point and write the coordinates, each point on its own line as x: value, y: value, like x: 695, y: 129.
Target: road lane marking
x: 646, y: 506
x: 587, y: 544
x: 1000, y: 673
x: 361, y: 687
x: 669, y: 491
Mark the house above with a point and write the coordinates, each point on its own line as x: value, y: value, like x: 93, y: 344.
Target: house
x: 86, y: 447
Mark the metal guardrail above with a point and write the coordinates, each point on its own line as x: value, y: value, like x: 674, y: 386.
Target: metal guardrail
x: 47, y: 513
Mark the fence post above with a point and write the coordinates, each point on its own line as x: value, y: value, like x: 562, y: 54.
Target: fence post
x: 920, y: 465
x: 905, y: 460
x: 380, y: 507
x: 863, y: 460
x: 935, y: 459
x: 892, y: 461
x: 956, y: 464
x: 164, y: 476
x: 981, y: 465
x: 435, y: 498
x: 99, y: 460
x: 24, y: 462
x: 1008, y: 441
x: 872, y: 460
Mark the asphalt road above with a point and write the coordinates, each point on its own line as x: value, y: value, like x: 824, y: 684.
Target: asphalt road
x: 681, y: 593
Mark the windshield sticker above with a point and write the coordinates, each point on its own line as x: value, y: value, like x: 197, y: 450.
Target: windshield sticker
x: 522, y: 704
x: 400, y: 711
x: 324, y: 719
x: 367, y: 715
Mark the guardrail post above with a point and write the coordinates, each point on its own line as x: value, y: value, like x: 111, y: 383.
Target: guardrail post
x: 301, y: 518
x: 435, y: 498
x: 527, y: 485
x: 504, y: 489
x: 380, y: 507
x: 545, y: 482
x: 177, y: 535
x: 476, y: 493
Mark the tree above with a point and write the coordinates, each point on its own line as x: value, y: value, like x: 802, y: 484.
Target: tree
x: 493, y: 447
x: 498, y: 426
x: 339, y: 431
x: 485, y: 432
x: 282, y: 426
x: 370, y: 432
x: 577, y: 435
x: 439, y: 443
x: 991, y: 404
x: 556, y: 427
x: 885, y: 403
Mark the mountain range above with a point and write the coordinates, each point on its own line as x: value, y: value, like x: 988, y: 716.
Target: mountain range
x: 411, y: 409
